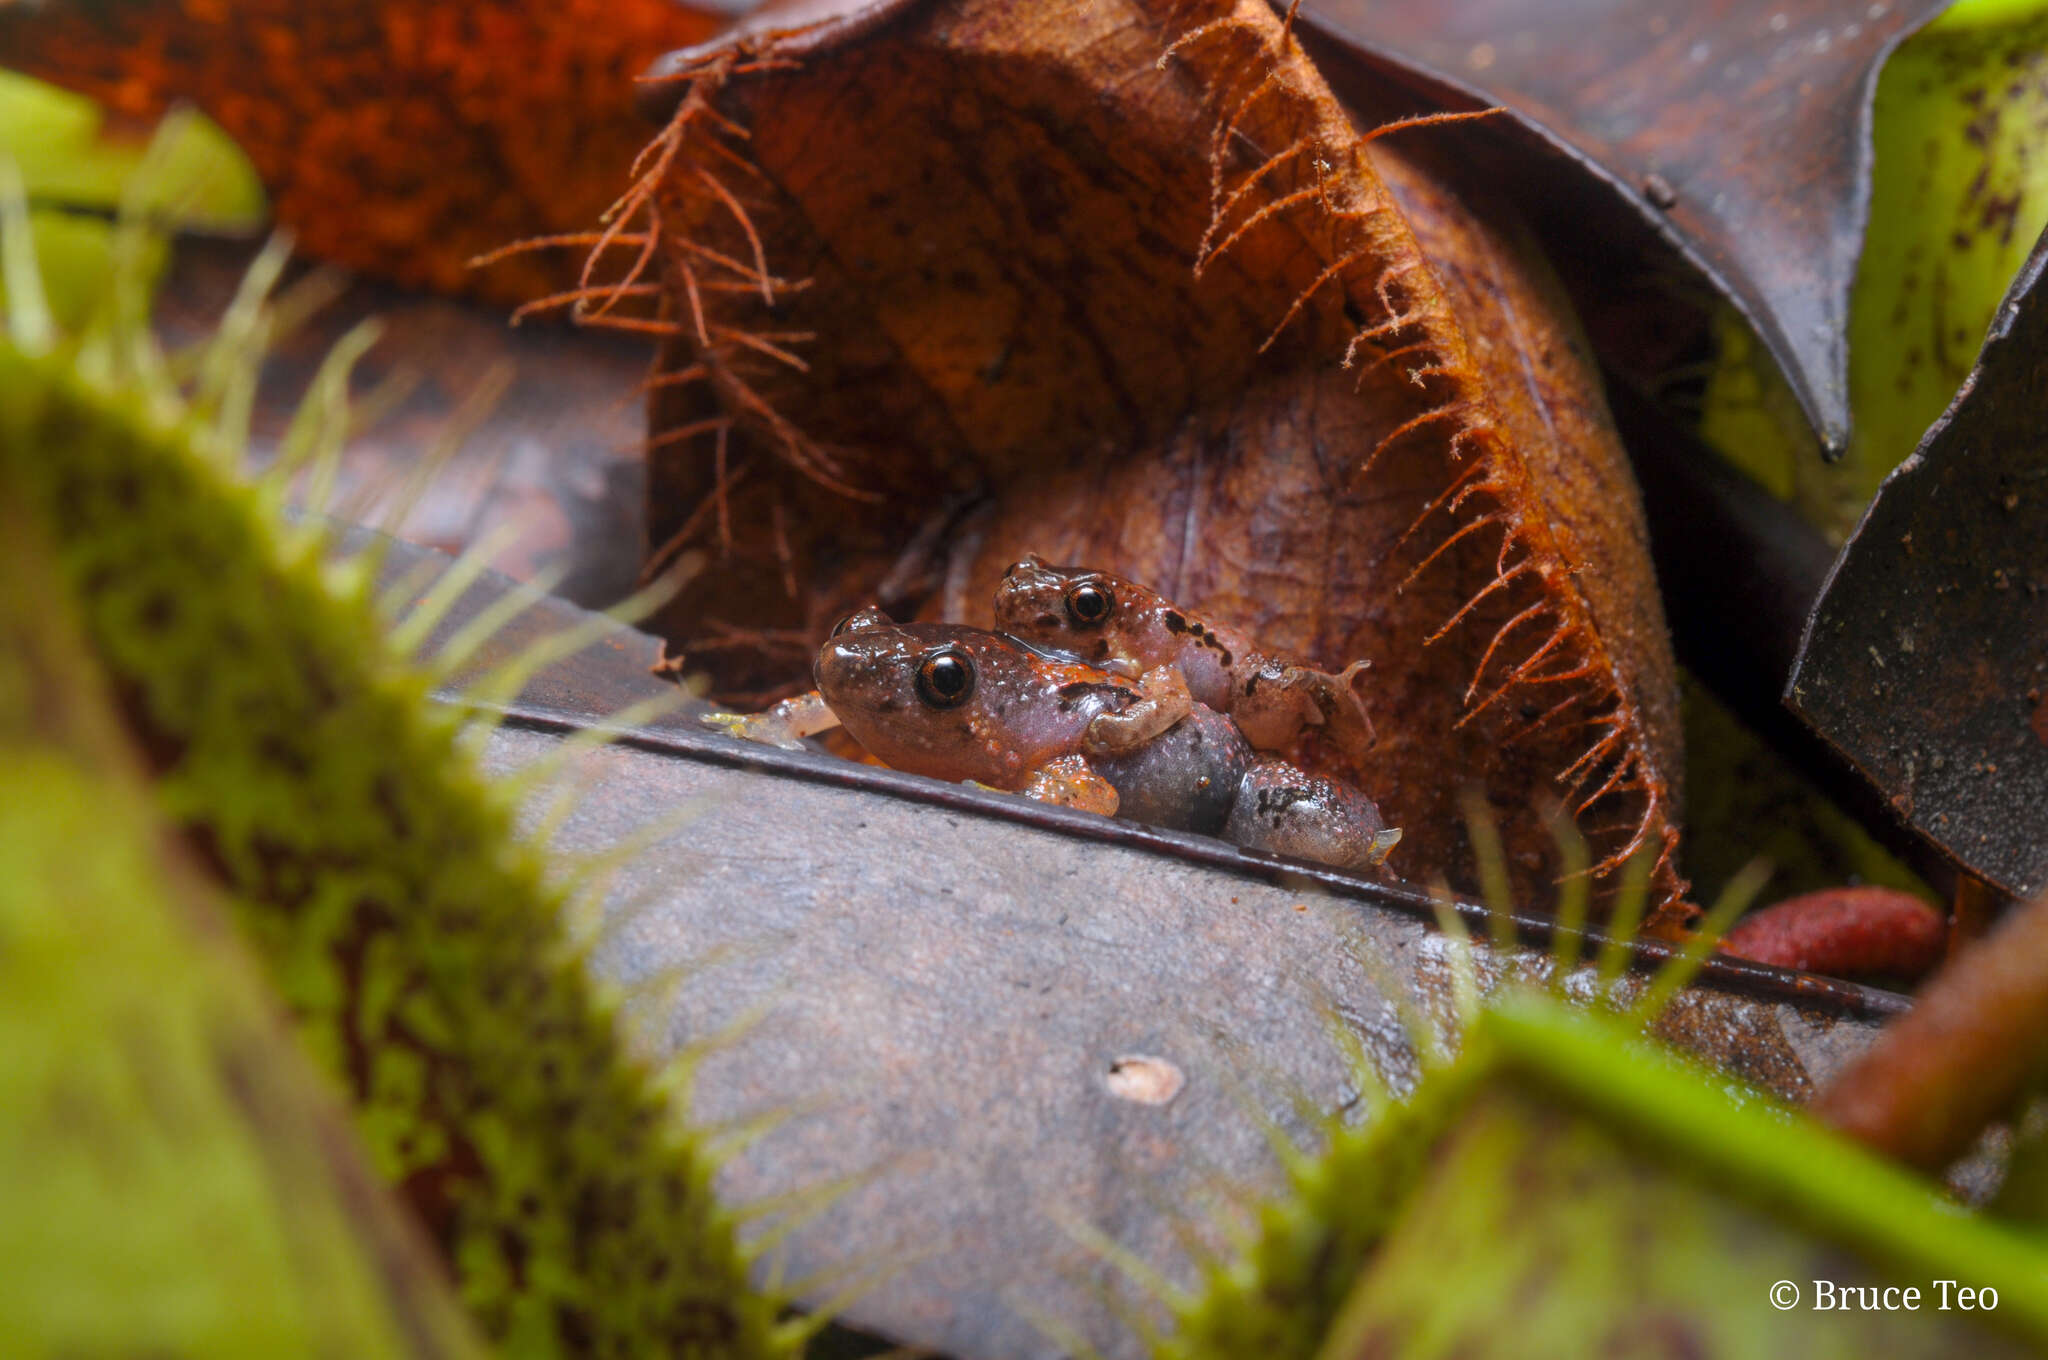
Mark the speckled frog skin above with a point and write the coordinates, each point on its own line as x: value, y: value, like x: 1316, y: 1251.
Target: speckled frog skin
x: 1125, y: 628
x: 963, y: 703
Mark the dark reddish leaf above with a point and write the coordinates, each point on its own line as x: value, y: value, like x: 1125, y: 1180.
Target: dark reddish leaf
x: 397, y: 138
x: 1926, y: 660
x: 1739, y: 130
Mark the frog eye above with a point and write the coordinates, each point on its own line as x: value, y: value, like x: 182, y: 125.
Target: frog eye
x: 946, y: 678
x: 1088, y: 604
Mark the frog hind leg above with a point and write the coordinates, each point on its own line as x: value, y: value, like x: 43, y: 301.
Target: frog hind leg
x: 1274, y: 701
x: 1346, y: 723
x: 1284, y: 810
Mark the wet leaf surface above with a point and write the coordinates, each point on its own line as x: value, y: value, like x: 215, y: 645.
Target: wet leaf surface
x: 1926, y: 659
x: 949, y: 993
x: 1739, y: 131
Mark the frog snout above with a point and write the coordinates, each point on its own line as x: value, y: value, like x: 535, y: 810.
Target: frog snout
x: 852, y: 671
x: 836, y: 664
x: 848, y: 655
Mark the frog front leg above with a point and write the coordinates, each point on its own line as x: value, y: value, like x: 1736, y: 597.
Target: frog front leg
x: 1165, y: 701
x: 1072, y: 782
x: 1274, y: 701
x: 784, y: 724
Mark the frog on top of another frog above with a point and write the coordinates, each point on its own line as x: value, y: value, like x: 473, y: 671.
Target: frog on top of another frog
x: 1128, y: 629
x: 962, y: 703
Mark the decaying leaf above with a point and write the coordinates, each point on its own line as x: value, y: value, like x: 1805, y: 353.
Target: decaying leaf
x: 398, y: 139
x: 1740, y: 130
x: 1926, y: 659
x: 1971, y: 1045
x: 1123, y: 284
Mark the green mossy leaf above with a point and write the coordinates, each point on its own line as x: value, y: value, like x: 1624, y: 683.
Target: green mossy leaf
x: 417, y: 942
x: 177, y: 1179
x: 1589, y: 1194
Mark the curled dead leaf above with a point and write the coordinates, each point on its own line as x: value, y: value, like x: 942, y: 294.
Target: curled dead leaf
x: 1123, y: 284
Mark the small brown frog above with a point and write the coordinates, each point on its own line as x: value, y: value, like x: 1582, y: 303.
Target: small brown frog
x: 963, y: 703
x: 1128, y: 629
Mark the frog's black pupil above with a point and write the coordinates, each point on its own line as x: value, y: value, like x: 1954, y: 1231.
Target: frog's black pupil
x: 1088, y: 604
x: 844, y: 624
x: 945, y: 679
